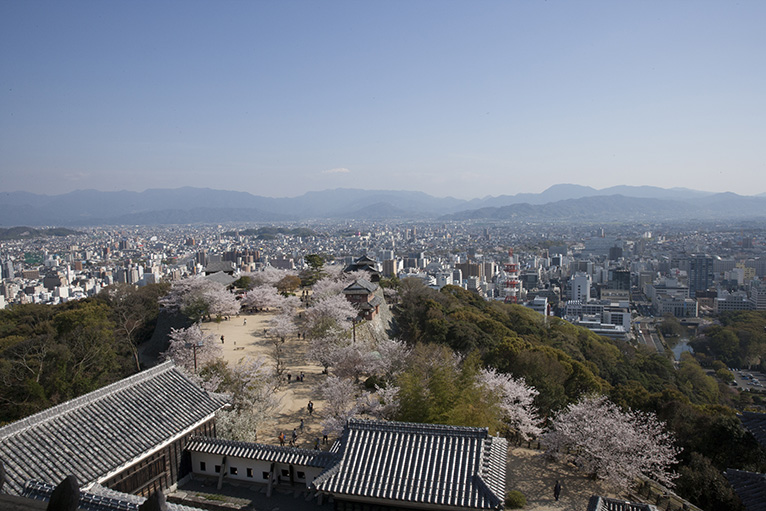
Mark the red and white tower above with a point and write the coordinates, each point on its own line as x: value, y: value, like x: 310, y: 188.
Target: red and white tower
x: 512, y: 284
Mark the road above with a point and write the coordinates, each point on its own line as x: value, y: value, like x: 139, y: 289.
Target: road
x: 648, y: 335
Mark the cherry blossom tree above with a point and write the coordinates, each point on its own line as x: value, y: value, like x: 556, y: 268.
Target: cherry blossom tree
x: 220, y: 301
x: 322, y: 349
x: 262, y: 297
x: 270, y: 276
x: 515, y: 401
x: 197, y: 297
x: 382, y: 404
x: 393, y: 357
x: 613, y: 444
x: 282, y: 327
x: 251, y: 389
x: 331, y: 312
x: 188, y: 344
x: 339, y: 395
x: 289, y: 305
x: 328, y: 286
x: 352, y: 360
x: 332, y: 271
x: 344, y: 400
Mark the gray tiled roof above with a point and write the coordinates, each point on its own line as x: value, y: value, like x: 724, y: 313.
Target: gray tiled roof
x: 750, y: 488
x: 449, y: 466
x: 100, y: 500
x: 361, y: 286
x: 95, y: 434
x: 756, y: 424
x: 221, y: 278
x: 597, y: 503
x: 263, y: 452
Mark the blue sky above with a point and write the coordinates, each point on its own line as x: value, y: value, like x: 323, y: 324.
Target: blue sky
x: 468, y: 98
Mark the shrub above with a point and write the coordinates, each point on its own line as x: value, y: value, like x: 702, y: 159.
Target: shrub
x: 514, y: 499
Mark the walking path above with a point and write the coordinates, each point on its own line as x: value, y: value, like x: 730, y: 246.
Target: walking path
x: 244, y: 337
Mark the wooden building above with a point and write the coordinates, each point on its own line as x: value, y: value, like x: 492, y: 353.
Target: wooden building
x: 129, y: 436
x: 364, y: 295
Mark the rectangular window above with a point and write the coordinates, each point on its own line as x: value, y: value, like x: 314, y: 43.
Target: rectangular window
x: 202, y: 466
x: 233, y: 470
x: 301, y: 475
x: 218, y: 469
x: 249, y: 472
x: 265, y: 476
x: 285, y: 473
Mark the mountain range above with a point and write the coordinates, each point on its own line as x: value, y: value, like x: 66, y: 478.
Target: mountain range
x: 189, y: 205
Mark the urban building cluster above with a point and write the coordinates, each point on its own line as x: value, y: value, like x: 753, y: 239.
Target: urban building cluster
x: 599, y: 278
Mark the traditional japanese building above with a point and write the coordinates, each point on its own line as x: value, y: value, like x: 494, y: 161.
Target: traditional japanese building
x: 364, y: 295
x: 398, y: 465
x: 129, y: 436
x: 374, y: 466
x: 367, y: 264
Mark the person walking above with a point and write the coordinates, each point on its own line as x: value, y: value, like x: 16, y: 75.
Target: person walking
x: 310, y: 407
x: 301, y: 426
x: 557, y: 490
x: 281, y: 438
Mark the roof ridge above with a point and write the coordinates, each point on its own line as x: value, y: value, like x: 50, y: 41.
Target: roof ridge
x: 240, y: 443
x: 417, y: 426
x: 78, y: 402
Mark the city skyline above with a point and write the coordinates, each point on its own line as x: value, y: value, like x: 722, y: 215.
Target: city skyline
x: 447, y: 98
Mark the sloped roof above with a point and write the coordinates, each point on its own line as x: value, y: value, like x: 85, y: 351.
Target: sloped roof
x: 98, y: 499
x: 756, y: 424
x: 360, y: 286
x: 750, y: 488
x: 262, y: 452
x: 222, y: 278
x: 220, y: 266
x: 456, y: 467
x: 597, y: 503
x: 98, y: 433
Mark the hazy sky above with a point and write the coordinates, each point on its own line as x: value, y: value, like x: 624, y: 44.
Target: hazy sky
x: 467, y: 98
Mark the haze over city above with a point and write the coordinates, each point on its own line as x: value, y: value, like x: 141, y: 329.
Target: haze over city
x: 457, y: 99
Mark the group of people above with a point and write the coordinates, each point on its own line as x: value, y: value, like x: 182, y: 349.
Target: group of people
x: 298, y: 377
x: 294, y: 436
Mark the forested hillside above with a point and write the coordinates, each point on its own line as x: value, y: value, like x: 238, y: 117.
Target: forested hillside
x: 50, y: 354
x: 563, y: 362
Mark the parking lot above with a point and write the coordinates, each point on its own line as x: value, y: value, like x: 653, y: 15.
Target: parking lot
x: 749, y: 380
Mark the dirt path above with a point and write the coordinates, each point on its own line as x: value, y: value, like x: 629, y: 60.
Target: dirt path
x: 245, y: 336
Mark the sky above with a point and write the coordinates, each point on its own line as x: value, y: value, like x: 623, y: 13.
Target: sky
x: 453, y: 98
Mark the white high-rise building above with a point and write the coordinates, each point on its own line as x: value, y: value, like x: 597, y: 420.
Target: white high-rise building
x: 580, y: 287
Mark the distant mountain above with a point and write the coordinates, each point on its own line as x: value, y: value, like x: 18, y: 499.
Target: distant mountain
x: 18, y: 233
x: 623, y: 209
x: 189, y: 205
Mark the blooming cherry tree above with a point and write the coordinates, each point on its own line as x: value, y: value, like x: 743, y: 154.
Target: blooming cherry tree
x: 282, y: 327
x: 331, y: 312
x: 262, y: 297
x: 340, y: 403
x: 270, y: 276
x: 197, y: 297
x: 613, y: 444
x: 515, y: 400
x: 251, y: 390
x: 186, y: 344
